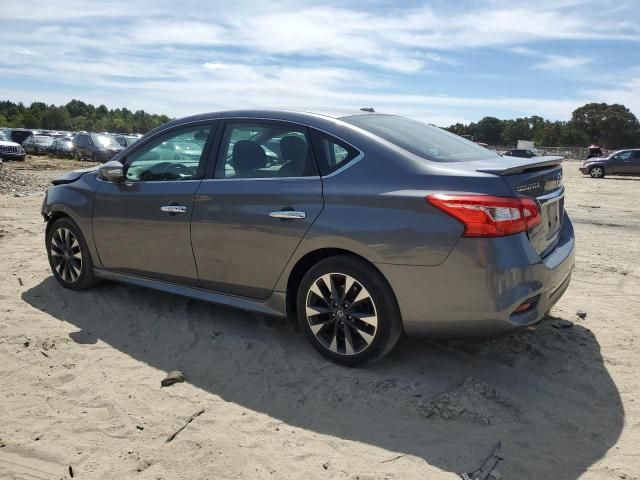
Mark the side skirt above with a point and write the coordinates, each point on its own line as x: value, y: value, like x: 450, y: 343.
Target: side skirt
x: 275, y: 305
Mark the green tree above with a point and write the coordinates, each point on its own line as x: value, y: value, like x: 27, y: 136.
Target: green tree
x: 613, y: 126
x: 489, y: 130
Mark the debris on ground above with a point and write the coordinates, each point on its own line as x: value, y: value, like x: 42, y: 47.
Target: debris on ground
x: 189, y: 420
x: 175, y: 376
x: 581, y: 314
x: 487, y: 467
x: 473, y: 400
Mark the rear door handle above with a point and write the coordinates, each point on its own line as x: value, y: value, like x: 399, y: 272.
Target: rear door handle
x: 173, y: 209
x: 288, y: 214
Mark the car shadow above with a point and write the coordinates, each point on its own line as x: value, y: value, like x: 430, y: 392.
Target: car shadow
x: 545, y: 393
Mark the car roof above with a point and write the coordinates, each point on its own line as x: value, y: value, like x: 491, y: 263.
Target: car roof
x: 316, y: 118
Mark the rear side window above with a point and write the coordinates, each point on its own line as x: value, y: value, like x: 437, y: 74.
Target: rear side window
x: 426, y: 141
x: 331, y: 153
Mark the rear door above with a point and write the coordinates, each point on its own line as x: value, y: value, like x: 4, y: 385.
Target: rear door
x: 142, y: 225
x: 261, y: 199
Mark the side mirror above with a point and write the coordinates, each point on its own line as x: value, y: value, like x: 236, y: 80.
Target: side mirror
x: 112, y: 171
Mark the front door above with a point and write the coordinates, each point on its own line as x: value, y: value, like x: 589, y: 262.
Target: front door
x: 249, y: 219
x: 142, y: 225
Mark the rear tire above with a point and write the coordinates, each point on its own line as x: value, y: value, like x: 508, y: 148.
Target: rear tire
x: 596, y: 172
x: 348, y: 311
x: 69, y: 257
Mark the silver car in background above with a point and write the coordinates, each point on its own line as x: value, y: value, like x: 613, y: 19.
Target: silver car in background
x: 362, y: 226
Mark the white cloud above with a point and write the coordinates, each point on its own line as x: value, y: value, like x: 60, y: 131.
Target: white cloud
x: 195, y: 56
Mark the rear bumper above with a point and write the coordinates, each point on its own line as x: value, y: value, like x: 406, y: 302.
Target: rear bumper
x: 475, y: 291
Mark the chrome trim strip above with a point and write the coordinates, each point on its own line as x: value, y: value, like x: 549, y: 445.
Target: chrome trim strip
x: 551, y: 197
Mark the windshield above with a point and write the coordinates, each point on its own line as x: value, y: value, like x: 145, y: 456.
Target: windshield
x: 105, y: 141
x: 424, y: 140
x: 43, y: 140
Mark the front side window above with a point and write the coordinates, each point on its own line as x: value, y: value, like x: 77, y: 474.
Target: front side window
x: 264, y: 150
x: 426, y: 141
x: 623, y: 156
x: 176, y: 156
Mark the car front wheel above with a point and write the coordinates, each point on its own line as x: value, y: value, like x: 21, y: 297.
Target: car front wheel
x: 596, y: 172
x: 69, y: 257
x: 348, y: 311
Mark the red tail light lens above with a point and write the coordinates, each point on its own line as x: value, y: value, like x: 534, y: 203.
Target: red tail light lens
x: 489, y: 216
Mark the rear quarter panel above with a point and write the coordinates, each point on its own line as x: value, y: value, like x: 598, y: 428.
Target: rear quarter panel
x: 376, y: 208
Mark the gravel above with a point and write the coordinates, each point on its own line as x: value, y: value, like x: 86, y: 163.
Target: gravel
x: 35, y: 174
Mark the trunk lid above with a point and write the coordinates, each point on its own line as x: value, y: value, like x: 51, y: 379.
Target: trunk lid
x: 539, y: 178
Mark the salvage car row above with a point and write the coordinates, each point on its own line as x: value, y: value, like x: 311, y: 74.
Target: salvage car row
x: 98, y: 147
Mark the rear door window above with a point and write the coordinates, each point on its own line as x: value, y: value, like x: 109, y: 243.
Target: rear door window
x: 262, y: 149
x: 331, y: 152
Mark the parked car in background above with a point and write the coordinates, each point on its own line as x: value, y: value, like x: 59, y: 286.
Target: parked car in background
x: 126, y: 140
x: 10, y: 150
x: 95, y: 146
x: 518, y: 153
x: 360, y: 225
x: 19, y: 135
x: 37, y: 144
x: 622, y: 162
x: 62, y: 148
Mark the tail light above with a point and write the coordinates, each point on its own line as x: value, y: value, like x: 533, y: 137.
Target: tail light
x: 489, y: 216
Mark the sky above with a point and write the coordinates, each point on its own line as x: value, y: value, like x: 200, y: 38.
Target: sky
x: 438, y: 61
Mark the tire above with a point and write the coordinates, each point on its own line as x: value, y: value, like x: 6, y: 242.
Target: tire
x: 596, y: 172
x: 69, y: 257
x: 341, y: 333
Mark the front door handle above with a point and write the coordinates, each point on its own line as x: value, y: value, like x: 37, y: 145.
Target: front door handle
x: 288, y: 214
x: 173, y: 209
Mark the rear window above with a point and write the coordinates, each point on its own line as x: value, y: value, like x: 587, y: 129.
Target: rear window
x: 424, y: 140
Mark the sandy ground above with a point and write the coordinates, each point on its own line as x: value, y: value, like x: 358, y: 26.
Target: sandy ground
x: 80, y: 378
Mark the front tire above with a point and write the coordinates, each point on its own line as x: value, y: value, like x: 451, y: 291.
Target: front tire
x: 348, y: 311
x: 69, y: 257
x: 596, y: 172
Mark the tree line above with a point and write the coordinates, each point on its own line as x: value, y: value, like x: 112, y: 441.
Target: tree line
x: 77, y: 115
x: 610, y: 126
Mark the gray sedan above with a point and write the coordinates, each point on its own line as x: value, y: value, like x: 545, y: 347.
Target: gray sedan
x: 362, y: 226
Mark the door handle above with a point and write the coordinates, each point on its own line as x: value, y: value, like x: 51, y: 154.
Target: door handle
x: 173, y: 208
x: 288, y: 214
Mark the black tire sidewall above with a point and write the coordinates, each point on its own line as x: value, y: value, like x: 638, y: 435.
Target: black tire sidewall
x: 593, y: 176
x: 389, y: 323
x: 86, y: 278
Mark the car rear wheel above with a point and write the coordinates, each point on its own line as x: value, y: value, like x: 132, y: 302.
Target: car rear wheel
x: 69, y: 257
x: 348, y: 311
x: 596, y: 172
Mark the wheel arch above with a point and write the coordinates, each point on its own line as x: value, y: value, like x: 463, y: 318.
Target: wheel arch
x: 308, y: 260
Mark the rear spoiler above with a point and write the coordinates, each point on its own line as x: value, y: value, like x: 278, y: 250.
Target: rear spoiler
x: 522, y: 165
